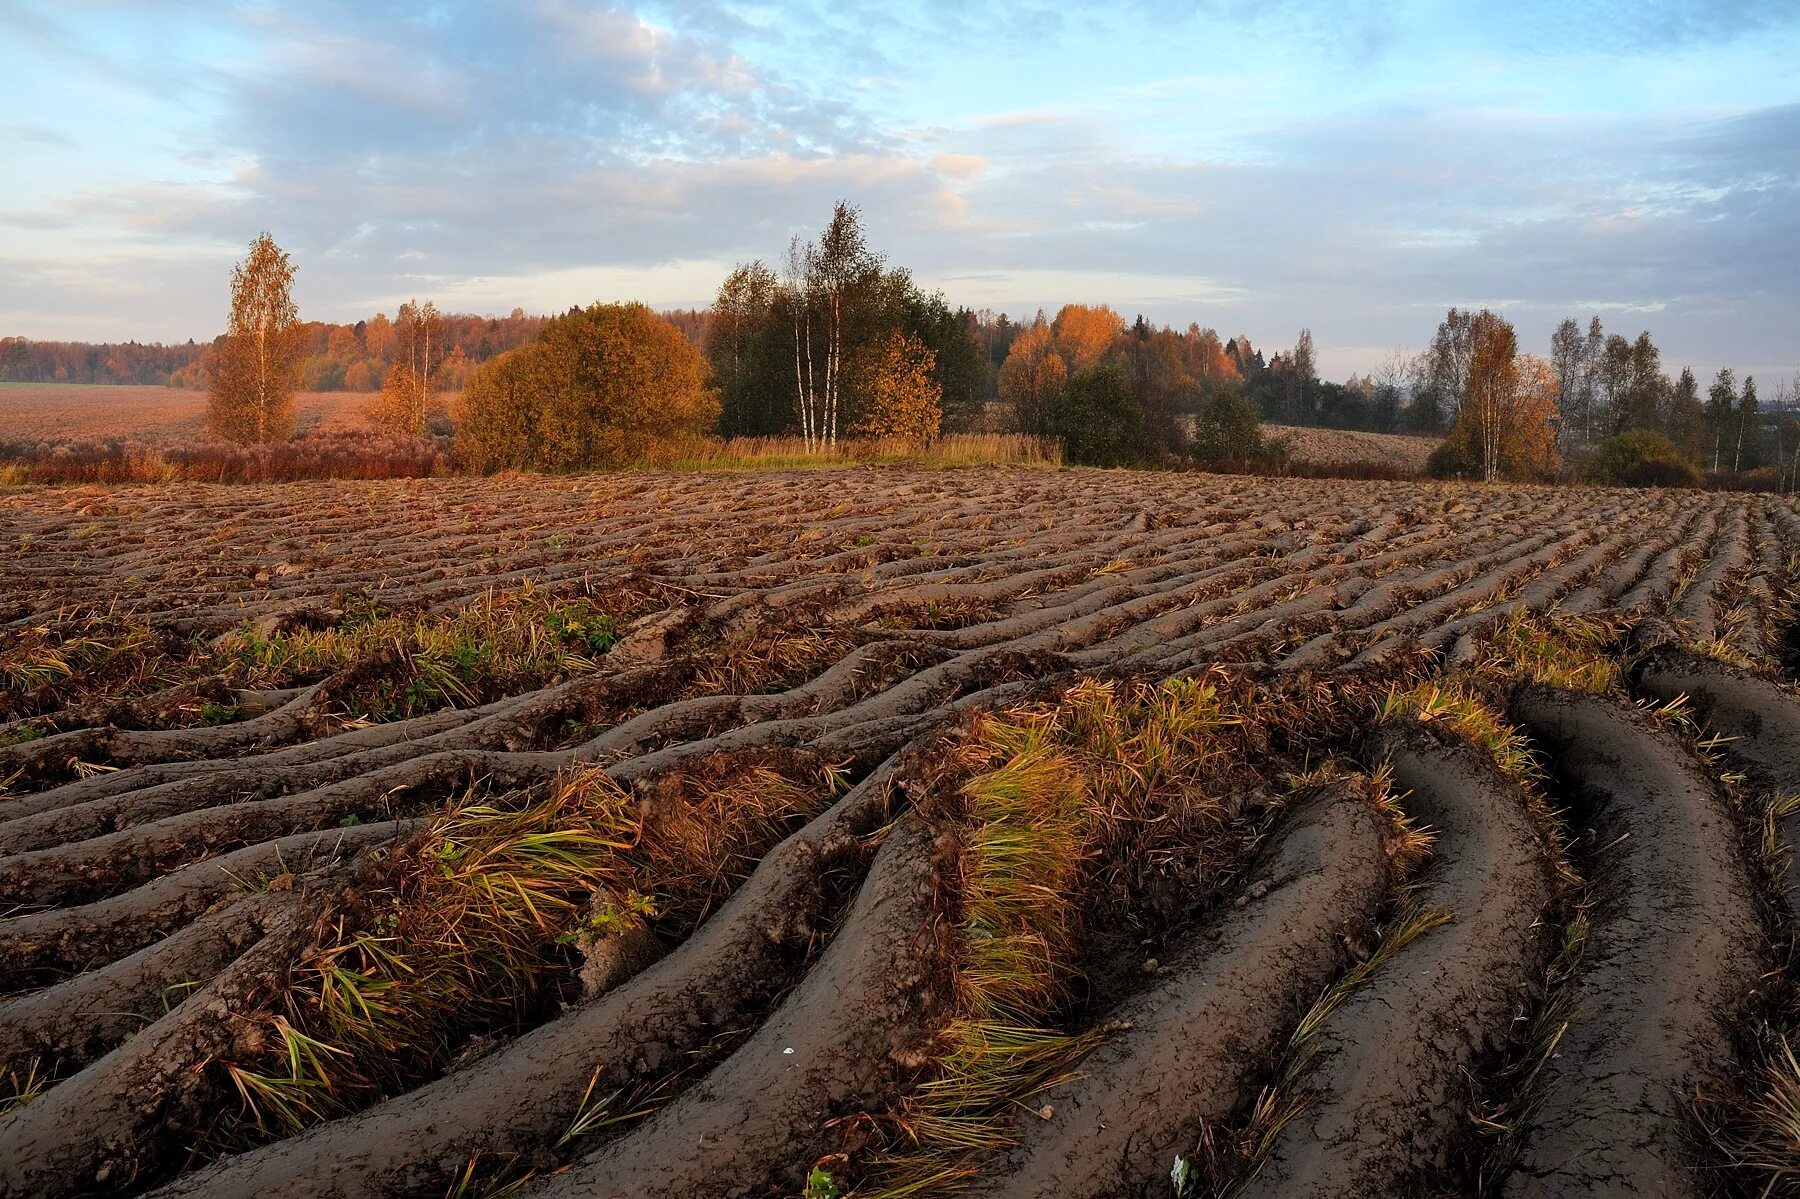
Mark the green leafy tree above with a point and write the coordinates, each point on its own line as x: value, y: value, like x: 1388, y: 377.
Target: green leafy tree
x: 1684, y: 418
x: 1227, y: 428
x: 1721, y: 413
x: 785, y: 350
x: 1099, y: 419
x: 1640, y: 458
x: 743, y: 346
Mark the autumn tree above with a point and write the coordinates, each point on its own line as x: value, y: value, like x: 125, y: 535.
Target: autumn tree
x: 1033, y: 377
x: 900, y: 397
x: 1084, y: 333
x: 606, y: 385
x: 379, y: 337
x: 1492, y: 380
x: 410, y: 391
x: 1505, y: 427
x: 251, y: 395
x: 1527, y: 445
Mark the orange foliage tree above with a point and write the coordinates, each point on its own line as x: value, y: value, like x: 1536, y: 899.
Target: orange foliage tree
x: 1506, y: 428
x: 410, y: 391
x: 901, y: 399
x: 1033, y: 377
x: 1085, y: 332
x: 606, y: 385
x: 251, y: 394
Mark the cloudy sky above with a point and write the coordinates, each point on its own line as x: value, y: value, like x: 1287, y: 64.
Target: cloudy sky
x: 1255, y: 165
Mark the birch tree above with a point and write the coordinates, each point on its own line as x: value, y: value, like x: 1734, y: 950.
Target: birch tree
x: 1721, y: 410
x: 825, y: 285
x: 1491, y: 382
x: 251, y: 396
x: 410, y: 392
x: 1749, y: 426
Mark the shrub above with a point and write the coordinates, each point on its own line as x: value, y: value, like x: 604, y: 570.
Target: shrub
x: 1763, y: 479
x: 1099, y: 418
x: 1640, y: 458
x: 1227, y: 429
x: 606, y: 385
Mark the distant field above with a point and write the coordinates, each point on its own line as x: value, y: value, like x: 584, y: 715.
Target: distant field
x: 1405, y: 452
x: 80, y: 411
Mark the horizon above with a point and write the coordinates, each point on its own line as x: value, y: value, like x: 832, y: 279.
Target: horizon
x: 1357, y: 175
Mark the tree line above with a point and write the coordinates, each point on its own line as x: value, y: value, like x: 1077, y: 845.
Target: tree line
x: 835, y: 343
x: 1598, y: 406
x: 328, y: 357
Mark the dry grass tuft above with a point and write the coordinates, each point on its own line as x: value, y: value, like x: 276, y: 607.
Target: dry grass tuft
x: 1578, y: 653
x: 1051, y: 795
x: 1468, y: 715
x: 470, y: 930
x: 1757, y: 1133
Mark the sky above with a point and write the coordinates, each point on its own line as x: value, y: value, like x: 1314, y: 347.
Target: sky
x: 1252, y: 166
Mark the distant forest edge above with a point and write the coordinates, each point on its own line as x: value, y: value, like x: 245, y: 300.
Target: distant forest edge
x: 354, y: 357
x: 835, y: 343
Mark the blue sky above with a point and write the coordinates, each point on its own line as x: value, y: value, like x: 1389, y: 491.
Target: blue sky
x: 1251, y: 166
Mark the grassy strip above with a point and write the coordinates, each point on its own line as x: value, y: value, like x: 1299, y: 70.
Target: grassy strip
x: 462, y: 659
x: 1458, y: 708
x: 477, y: 928
x: 1052, y: 814
x: 1578, y: 653
x: 951, y: 449
x: 499, y: 642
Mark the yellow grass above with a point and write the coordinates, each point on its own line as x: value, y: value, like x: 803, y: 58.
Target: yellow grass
x: 953, y: 449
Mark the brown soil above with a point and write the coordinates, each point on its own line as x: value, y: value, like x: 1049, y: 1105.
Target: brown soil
x: 1193, y: 1043
x: 1388, y: 1080
x: 165, y: 812
x: 1671, y: 966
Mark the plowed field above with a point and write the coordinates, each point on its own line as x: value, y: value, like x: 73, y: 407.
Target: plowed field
x: 890, y: 832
